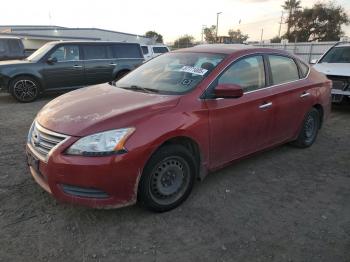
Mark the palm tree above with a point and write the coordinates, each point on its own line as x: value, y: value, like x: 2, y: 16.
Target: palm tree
x: 290, y: 6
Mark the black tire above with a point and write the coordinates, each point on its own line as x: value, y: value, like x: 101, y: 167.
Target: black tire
x: 167, y: 179
x: 24, y: 89
x: 121, y: 75
x: 309, y: 129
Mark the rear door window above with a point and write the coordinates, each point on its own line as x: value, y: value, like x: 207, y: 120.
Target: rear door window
x: 66, y: 53
x: 304, y: 69
x: 160, y: 50
x: 283, y: 69
x: 127, y: 51
x: 248, y: 72
x: 95, y: 52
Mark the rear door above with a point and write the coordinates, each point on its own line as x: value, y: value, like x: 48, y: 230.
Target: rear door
x: 239, y: 126
x: 16, y: 49
x: 291, y: 95
x: 99, y: 63
x: 68, y: 71
x: 129, y: 56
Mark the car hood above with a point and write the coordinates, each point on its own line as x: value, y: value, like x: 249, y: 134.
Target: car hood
x: 337, y: 69
x: 100, y: 108
x: 14, y: 62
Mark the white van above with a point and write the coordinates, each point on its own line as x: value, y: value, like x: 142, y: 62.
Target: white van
x: 150, y: 51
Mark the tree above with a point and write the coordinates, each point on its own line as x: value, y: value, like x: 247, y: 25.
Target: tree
x: 210, y: 34
x: 322, y: 22
x: 291, y: 6
x: 276, y: 39
x: 155, y: 35
x: 184, y: 41
x: 237, y: 36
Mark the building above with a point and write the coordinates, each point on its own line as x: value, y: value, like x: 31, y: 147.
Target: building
x: 34, y: 37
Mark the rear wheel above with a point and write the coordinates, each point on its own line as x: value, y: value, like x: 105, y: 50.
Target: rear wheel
x: 309, y: 130
x: 25, y: 89
x: 167, y: 179
x: 121, y: 75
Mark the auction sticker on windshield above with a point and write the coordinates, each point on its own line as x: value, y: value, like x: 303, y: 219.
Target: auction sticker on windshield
x: 194, y: 70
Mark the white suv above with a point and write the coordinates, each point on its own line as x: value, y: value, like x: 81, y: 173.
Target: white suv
x: 335, y: 64
x: 150, y: 51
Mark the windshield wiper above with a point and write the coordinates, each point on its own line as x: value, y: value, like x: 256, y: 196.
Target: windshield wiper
x: 140, y: 88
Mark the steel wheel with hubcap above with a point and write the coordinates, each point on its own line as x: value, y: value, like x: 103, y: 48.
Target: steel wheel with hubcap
x: 309, y: 130
x: 167, y: 179
x: 24, y: 89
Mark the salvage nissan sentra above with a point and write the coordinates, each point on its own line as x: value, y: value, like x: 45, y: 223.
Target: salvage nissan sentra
x: 149, y: 136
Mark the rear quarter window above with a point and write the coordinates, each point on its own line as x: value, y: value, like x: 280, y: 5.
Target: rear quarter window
x: 3, y: 46
x: 127, y: 51
x: 15, y: 46
x: 304, y: 69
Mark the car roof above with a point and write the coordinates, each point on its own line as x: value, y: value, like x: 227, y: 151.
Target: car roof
x: 90, y: 42
x: 230, y: 49
x: 9, y: 37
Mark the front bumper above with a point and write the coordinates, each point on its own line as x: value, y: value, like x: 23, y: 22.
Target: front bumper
x: 97, y: 182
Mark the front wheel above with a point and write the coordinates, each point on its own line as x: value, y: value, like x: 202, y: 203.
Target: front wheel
x: 309, y: 130
x: 167, y: 179
x: 24, y: 89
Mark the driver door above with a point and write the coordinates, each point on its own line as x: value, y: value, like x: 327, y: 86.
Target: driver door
x: 240, y: 126
x: 68, y: 71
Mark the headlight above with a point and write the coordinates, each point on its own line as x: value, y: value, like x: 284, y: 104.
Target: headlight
x: 101, y: 144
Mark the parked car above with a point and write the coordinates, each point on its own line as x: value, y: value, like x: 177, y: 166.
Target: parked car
x: 58, y: 66
x: 335, y: 64
x: 11, y: 48
x: 150, y: 51
x: 172, y: 120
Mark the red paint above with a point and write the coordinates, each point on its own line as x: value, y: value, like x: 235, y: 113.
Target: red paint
x: 224, y: 129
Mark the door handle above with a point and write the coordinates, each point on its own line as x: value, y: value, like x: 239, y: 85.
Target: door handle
x: 112, y: 64
x: 304, y: 94
x: 77, y: 66
x: 265, y: 105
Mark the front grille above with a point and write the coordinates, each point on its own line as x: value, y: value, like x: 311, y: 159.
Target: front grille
x: 84, y: 192
x: 42, y: 141
x: 339, y: 82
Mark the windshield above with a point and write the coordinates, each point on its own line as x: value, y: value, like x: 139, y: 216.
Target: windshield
x: 171, y: 73
x: 337, y: 55
x: 38, y: 54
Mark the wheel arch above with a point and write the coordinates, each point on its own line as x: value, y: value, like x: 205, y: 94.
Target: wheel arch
x: 35, y: 77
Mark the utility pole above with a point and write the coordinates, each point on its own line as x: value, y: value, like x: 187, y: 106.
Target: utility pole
x: 262, y: 34
x: 217, y: 24
x: 279, y: 30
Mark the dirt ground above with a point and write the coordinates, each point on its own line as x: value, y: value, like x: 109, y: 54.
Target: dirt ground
x: 286, y: 204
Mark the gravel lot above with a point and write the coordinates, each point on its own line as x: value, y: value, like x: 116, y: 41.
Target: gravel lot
x: 286, y: 204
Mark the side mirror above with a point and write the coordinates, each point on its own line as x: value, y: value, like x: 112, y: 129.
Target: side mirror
x: 228, y: 91
x: 52, y: 60
x: 314, y: 61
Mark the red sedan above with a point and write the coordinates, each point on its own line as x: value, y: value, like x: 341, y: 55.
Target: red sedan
x: 174, y: 119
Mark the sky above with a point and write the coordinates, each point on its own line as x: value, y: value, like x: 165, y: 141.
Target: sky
x: 172, y: 19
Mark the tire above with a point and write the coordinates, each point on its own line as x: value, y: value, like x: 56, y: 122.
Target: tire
x: 121, y: 75
x: 309, y: 129
x: 167, y: 179
x: 24, y: 89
